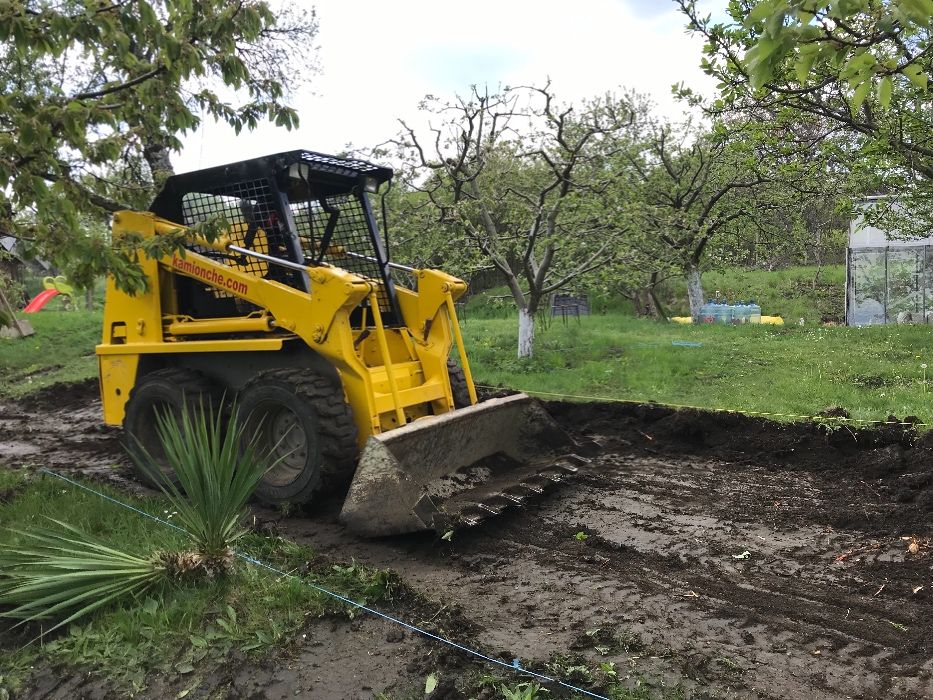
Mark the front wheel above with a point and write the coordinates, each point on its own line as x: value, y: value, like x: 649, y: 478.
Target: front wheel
x: 302, y: 422
x: 163, y: 393
x: 458, y: 385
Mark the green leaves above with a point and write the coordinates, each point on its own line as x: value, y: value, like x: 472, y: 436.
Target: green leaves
x: 68, y: 574
x: 763, y: 58
x: 90, y: 89
x: 217, y: 468
x: 848, y: 41
x: 885, y: 87
x: 805, y: 59
x: 858, y: 97
x: 916, y: 75
x: 917, y: 11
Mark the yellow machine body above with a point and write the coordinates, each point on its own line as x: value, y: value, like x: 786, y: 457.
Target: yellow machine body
x: 332, y: 351
x: 391, y: 376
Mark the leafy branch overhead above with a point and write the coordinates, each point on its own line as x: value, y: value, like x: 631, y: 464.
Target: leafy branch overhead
x: 862, y: 65
x: 864, y: 43
x: 92, y: 100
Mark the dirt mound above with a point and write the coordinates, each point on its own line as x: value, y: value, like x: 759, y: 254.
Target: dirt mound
x: 63, y: 396
x: 889, y: 462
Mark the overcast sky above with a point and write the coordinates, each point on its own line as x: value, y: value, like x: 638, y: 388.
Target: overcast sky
x: 378, y: 59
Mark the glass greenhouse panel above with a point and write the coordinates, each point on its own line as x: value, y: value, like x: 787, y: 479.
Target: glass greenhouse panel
x: 867, y: 288
x: 889, y: 285
x: 905, y: 289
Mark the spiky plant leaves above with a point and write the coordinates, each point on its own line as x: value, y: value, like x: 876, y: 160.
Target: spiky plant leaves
x: 68, y: 573
x: 218, y: 469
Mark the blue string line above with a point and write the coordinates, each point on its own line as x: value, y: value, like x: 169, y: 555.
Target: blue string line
x: 514, y: 666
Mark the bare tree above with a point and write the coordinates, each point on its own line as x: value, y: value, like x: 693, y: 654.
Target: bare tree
x: 690, y: 180
x: 519, y: 179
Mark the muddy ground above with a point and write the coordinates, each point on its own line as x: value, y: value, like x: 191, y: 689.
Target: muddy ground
x: 731, y: 556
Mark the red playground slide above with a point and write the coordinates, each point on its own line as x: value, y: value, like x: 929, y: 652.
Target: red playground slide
x: 40, y: 300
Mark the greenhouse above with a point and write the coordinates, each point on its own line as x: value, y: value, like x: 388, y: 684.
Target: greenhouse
x: 887, y: 280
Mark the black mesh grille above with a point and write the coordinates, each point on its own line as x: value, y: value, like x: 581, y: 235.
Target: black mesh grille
x: 344, y: 167
x: 253, y: 218
x: 350, y: 237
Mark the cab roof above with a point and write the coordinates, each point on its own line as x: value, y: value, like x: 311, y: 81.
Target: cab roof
x: 326, y: 171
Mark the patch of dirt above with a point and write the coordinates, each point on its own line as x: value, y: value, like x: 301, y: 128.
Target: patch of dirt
x: 734, y: 556
x: 61, y: 428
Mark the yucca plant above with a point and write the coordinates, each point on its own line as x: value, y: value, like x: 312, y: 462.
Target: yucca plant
x: 68, y: 573
x: 217, y: 470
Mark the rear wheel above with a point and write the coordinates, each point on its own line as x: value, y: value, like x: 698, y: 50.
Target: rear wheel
x: 166, y: 391
x: 303, y: 421
x: 458, y: 385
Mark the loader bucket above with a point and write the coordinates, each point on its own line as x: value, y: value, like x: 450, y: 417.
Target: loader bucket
x: 458, y: 468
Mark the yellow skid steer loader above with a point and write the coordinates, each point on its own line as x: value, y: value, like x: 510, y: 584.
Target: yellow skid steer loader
x: 339, y: 359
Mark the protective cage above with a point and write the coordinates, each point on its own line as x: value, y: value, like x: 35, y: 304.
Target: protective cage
x: 300, y: 206
x: 890, y: 284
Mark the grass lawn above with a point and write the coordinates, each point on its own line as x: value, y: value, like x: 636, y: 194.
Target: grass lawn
x: 177, y: 627
x: 62, y: 350
x: 872, y: 372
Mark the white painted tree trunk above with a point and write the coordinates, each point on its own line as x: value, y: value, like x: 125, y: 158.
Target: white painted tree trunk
x: 526, y: 333
x: 694, y: 290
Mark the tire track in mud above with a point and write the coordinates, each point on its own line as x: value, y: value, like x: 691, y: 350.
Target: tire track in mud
x: 822, y: 606
x: 61, y: 428
x: 660, y: 560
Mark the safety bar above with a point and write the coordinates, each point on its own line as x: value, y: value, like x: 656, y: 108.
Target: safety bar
x: 395, y: 266
x: 304, y: 268
x: 268, y: 258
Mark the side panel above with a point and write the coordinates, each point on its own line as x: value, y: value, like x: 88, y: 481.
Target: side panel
x: 117, y: 378
x: 136, y: 318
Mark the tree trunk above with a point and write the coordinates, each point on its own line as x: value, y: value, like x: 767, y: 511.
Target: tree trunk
x: 818, y: 256
x: 526, y: 333
x: 694, y: 289
x: 641, y: 303
x: 158, y: 157
x: 654, y: 305
x: 89, y: 298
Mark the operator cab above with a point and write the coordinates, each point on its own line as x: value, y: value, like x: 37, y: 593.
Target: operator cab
x: 300, y: 206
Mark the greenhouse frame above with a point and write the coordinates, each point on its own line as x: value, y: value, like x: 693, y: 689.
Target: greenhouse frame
x: 887, y: 280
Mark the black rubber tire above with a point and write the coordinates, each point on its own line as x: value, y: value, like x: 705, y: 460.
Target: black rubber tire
x: 322, y: 455
x: 172, y: 389
x: 458, y: 385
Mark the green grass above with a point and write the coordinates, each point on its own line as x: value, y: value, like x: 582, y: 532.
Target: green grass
x: 177, y: 628
x: 62, y: 350
x: 789, y: 292
x: 872, y: 372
